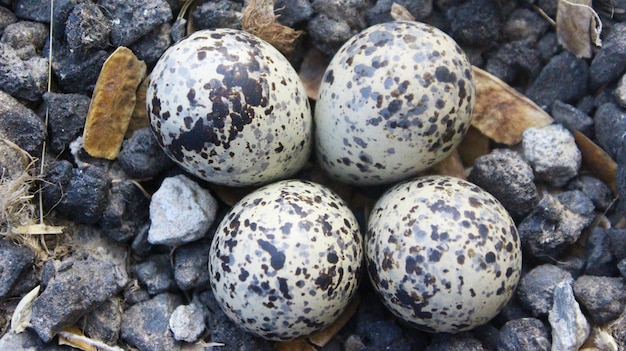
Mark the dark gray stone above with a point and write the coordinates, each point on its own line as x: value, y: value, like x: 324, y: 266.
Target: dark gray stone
x: 156, y: 274
x: 24, y: 79
x: 191, y: 265
x: 140, y: 245
x: 537, y: 287
x: 293, y: 12
x: 126, y: 212
x: 34, y: 10
x: 572, y: 118
x: 352, y: 12
x: 610, y: 126
x: 548, y: 6
x: 563, y: 78
x: 381, y: 334
x: 152, y: 45
x: 328, y: 35
x: 66, y: 117
x: 56, y: 179
x: 86, y: 28
x: 551, y: 228
x: 515, y: 59
x: 27, y: 341
x: 604, y: 298
x: 62, y: 9
x: 218, y: 14
x: 609, y: 63
x: 21, y: 125
x: 80, y: 284
x: 105, y: 321
x: 506, y: 175
x: 548, y: 46
x: 524, y: 24
x: 17, y: 263
x: 6, y: 17
x: 577, y: 202
x: 617, y: 237
x: 586, y: 104
x: 454, y: 342
x: 146, y: 324
x: 524, y: 334
x: 621, y: 266
x: 131, y: 20
x: 26, y: 38
x: 381, y: 11
x: 141, y: 156
x: 475, y: 22
x: 600, y: 257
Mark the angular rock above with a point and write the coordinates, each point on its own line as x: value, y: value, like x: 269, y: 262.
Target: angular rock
x: 26, y: 38
x: 351, y: 12
x: 513, y: 59
x: 553, y: 154
x: 570, y: 328
x: 293, y: 12
x: 140, y: 244
x: 524, y: 24
x: 596, y: 190
x: 6, y: 17
x: 25, y: 341
x: 152, y: 45
x: 604, y: 298
x: 104, y: 322
x: 66, y: 118
x: 191, y: 265
x: 34, y: 10
x: 621, y: 266
x: 475, y: 22
x: 24, y: 79
x: 62, y: 9
x: 221, y: 14
x: 141, y: 156
x: 131, y: 20
x: 610, y: 62
x: 548, y: 46
x: 328, y: 34
x: 572, y: 118
x: 599, y: 252
x: 455, y: 342
x: 617, y: 238
x: 17, y: 263
x: 382, y: 334
x: 126, y: 212
x: 80, y: 284
x: 564, y: 78
x: 524, y: 334
x: 506, y: 175
x: 156, y: 274
x: 536, y: 288
x: 381, y: 11
x: 146, y: 324
x: 610, y: 127
x: 187, y: 322
x: 180, y: 212
x: 20, y: 125
x: 86, y: 28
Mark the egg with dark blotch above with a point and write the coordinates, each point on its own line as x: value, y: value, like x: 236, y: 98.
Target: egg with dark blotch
x: 229, y: 108
x: 286, y: 260
x: 442, y: 253
x: 396, y: 99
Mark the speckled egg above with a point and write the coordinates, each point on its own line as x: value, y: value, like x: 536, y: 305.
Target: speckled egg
x: 396, y: 99
x: 229, y: 108
x: 442, y: 253
x: 286, y: 260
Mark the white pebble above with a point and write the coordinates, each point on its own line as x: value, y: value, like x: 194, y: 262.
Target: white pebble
x: 570, y: 328
x: 187, y: 323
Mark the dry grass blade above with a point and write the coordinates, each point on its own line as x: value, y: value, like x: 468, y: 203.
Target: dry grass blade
x: 74, y: 337
x: 21, y: 316
x: 258, y: 18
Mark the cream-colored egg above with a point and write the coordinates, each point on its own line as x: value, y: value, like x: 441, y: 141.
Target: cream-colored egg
x: 229, y: 108
x: 396, y: 99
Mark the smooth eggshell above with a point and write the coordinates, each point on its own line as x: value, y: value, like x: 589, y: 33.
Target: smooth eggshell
x: 443, y: 254
x: 395, y: 99
x: 286, y: 260
x: 229, y: 108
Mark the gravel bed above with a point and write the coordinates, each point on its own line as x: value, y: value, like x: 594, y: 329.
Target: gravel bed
x: 131, y: 267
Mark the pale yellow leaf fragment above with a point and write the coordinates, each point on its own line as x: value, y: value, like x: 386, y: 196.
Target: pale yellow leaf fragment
x: 20, y: 320
x: 578, y: 27
x: 112, y: 103
x: 501, y: 112
x: 37, y: 229
x: 400, y: 13
x: 74, y: 337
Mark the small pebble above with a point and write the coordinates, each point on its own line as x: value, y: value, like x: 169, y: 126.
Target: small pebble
x: 66, y: 118
x: 381, y: 11
x: 548, y: 46
x: 16, y: 262
x: 187, y: 322
x: 293, y: 12
x: 599, y: 252
x: 609, y: 64
x: 570, y: 328
x: 191, y: 265
x: 552, y: 153
x: 126, y: 213
x: 610, y: 126
x: 381, y: 334
x: 180, y: 212
x: 515, y: 59
x: 6, y: 17
x: 604, y: 298
x: 75, y: 74
x: 524, y: 334
x: 132, y: 19
x: 105, y: 321
x: 27, y: 341
x: 27, y: 38
x: 141, y: 156
x: 152, y: 45
x: 506, y: 175
x: 617, y: 237
x: 156, y: 274
x: 524, y: 23
x: 218, y: 14
x: 86, y: 28
x: 454, y: 342
x: 572, y: 118
x: 328, y: 35
x: 536, y: 288
x: 475, y: 22
x: 563, y: 78
x: 24, y: 79
x: 145, y: 325
x: 34, y: 10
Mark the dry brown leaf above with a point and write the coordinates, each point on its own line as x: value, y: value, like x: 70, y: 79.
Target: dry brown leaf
x: 596, y: 160
x: 578, y: 27
x: 450, y: 166
x: 400, y: 13
x: 258, y: 18
x: 321, y: 338
x: 112, y: 103
x: 312, y: 71
x: 20, y: 320
x: 139, y: 117
x: 473, y: 145
x: 502, y: 113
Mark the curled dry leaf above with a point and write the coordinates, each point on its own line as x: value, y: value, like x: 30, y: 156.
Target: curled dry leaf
x: 400, y: 13
x: 502, y: 113
x: 112, y: 103
x: 312, y: 70
x: 20, y: 320
x: 578, y: 27
x: 258, y: 18
x: 596, y: 160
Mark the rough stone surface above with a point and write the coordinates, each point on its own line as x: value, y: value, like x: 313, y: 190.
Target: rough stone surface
x: 66, y: 117
x: 475, y: 22
x: 141, y: 156
x: 145, y: 325
x: 187, y: 322
x: 191, y: 265
x: 130, y: 20
x: 536, y: 288
x: 328, y: 34
x: 152, y: 45
x: 20, y: 125
x: 524, y: 24
x: 105, y: 321
x: 34, y: 10
x: 610, y: 62
x: 524, y: 334
x: 156, y: 274
x: 86, y: 28
x: 617, y: 237
x: 506, y: 175
x: 293, y: 12
x: 553, y: 154
x: 572, y: 118
x: 180, y: 211
x: 620, y: 92
x: 24, y: 79
x: 80, y: 284
x: 454, y: 342
x: 599, y: 252
x: 604, y: 298
x: 610, y: 126
x: 26, y: 38
x: 6, y: 17
x: 126, y: 213
x: 570, y: 328
x: 221, y: 14
x: 600, y: 194
x: 381, y: 11
x: 16, y: 262
x: 515, y: 59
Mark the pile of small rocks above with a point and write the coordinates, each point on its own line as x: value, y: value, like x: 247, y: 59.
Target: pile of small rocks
x: 136, y: 273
